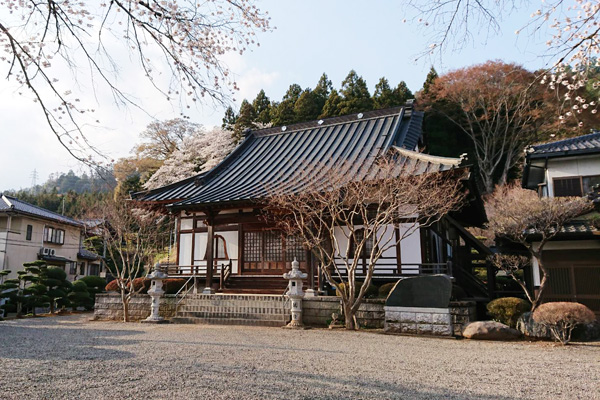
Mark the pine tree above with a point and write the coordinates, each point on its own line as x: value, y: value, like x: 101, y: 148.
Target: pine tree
x: 262, y: 108
x: 229, y: 119
x: 307, y: 107
x: 246, y: 120
x: 356, y: 97
x: 283, y: 113
x: 402, y: 93
x: 431, y: 77
x: 322, y: 91
x: 384, y: 97
x: 332, y: 105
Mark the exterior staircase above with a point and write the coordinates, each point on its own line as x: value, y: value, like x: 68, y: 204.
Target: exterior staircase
x: 255, y: 284
x: 233, y: 309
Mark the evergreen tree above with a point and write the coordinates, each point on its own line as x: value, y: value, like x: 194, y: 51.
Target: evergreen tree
x: 307, y: 107
x: 431, y: 77
x: 402, y: 93
x: 245, y: 120
x: 356, y: 97
x: 283, y: 113
x: 58, y: 286
x: 384, y: 97
x: 332, y: 105
x: 262, y: 108
x: 229, y: 119
x: 322, y: 91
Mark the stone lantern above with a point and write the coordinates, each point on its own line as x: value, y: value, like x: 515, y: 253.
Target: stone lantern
x: 156, y: 291
x: 295, y: 293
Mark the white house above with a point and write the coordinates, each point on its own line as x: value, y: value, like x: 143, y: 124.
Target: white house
x: 29, y: 233
x: 569, y: 167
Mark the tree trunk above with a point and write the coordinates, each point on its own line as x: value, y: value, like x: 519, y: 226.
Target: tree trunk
x: 349, y: 318
x: 538, y: 256
x: 125, y: 301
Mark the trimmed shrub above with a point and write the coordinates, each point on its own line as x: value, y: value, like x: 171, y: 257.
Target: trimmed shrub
x: 507, y: 310
x: 172, y: 285
x: 95, y: 282
x: 385, y: 289
x: 137, y: 284
x: 80, y: 296
x: 112, y: 286
x: 562, y: 317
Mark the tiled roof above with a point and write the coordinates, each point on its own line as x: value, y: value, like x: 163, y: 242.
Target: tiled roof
x: 88, y: 255
x: 272, y: 156
x: 578, y: 145
x: 574, y: 228
x: 12, y: 204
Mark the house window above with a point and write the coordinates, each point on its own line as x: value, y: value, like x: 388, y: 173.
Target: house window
x: 82, y: 269
x: 94, y: 269
x: 29, y: 232
x: 575, y: 186
x: 270, y: 246
x: 357, y: 237
x: 53, y: 235
x: 72, y: 268
x: 219, y: 249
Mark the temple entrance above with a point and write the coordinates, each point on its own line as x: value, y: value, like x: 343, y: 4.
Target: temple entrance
x: 270, y: 252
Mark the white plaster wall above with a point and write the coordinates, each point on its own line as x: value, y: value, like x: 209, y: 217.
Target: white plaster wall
x: 570, y: 167
x: 231, y: 241
x: 410, y: 246
x: 200, y: 239
x: 185, y: 249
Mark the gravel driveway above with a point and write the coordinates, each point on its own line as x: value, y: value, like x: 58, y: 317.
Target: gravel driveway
x: 71, y: 358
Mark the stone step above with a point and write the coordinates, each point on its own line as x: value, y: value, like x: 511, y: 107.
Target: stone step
x: 227, y: 321
x: 233, y: 315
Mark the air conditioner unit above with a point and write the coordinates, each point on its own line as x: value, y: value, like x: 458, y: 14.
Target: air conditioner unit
x: 47, y: 252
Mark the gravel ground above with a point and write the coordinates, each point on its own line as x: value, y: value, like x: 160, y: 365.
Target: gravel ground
x: 71, y: 358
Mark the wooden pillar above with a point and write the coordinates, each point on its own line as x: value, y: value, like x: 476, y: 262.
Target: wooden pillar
x: 210, y: 244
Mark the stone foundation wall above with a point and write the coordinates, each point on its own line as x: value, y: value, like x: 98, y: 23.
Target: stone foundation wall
x: 418, y: 320
x: 316, y: 311
x: 109, y: 307
x: 430, y: 321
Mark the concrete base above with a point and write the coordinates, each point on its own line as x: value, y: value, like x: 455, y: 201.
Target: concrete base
x: 208, y: 290
x: 418, y: 320
x: 308, y: 293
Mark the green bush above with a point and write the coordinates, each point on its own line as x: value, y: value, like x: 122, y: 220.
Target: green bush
x: 80, y: 296
x: 562, y: 317
x: 172, y: 285
x: 385, y: 289
x: 507, y: 310
x: 371, y: 292
x: 95, y: 282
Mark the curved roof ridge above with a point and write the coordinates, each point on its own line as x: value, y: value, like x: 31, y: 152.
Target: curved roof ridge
x: 428, y: 157
x: 593, y: 135
x: 330, y: 121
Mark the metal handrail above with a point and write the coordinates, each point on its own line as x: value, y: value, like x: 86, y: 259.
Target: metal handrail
x: 187, y: 290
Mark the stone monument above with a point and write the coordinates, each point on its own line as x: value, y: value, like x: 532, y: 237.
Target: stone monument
x: 420, y: 305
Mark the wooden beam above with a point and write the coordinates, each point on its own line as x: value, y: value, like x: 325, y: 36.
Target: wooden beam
x: 210, y: 252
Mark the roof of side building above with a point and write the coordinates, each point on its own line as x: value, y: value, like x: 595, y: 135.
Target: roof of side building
x: 12, y: 204
x: 585, y: 144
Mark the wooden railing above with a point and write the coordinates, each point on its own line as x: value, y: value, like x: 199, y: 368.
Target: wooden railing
x: 198, y: 270
x: 391, y: 270
x: 225, y: 274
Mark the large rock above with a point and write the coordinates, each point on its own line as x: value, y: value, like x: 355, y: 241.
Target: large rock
x: 429, y: 291
x: 490, y: 330
x: 528, y: 327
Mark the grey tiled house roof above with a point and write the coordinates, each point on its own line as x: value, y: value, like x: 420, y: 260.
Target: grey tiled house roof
x: 578, y: 145
x: 12, y: 204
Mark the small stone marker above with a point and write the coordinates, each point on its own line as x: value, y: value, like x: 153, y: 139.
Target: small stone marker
x: 432, y: 291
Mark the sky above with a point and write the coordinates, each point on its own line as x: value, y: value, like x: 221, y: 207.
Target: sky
x: 310, y: 37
